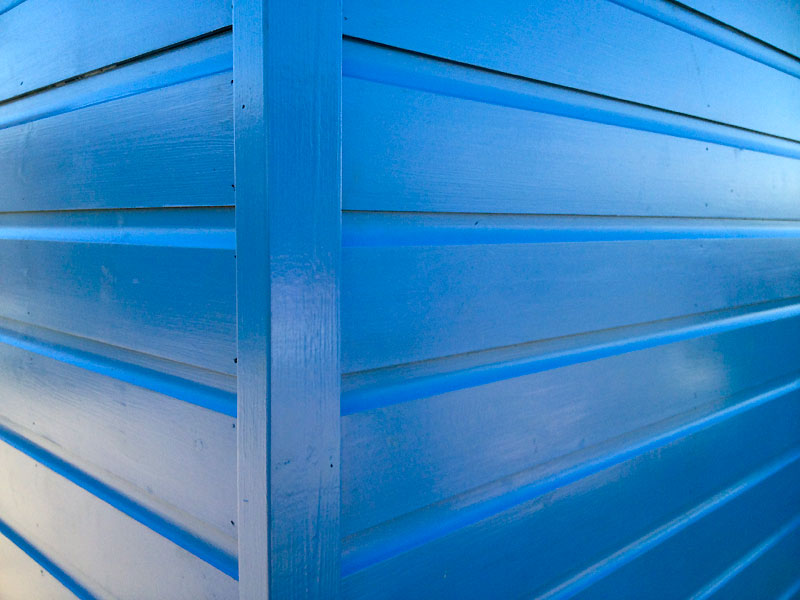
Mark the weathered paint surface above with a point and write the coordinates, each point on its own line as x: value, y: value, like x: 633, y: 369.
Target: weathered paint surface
x: 118, y: 471
x: 287, y: 65
x: 481, y: 300
x: 569, y: 299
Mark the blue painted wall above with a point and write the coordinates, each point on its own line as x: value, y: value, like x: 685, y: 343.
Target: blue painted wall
x: 562, y: 301
x: 571, y: 268
x: 117, y: 301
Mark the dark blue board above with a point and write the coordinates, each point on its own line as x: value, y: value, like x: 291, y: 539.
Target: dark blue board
x: 569, y: 302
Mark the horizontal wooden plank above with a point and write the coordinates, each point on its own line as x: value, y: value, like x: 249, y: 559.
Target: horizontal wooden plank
x: 681, y: 565
x: 401, y: 458
x: 84, y: 36
x: 591, y: 45
x: 372, y: 389
x: 21, y: 578
x: 776, y: 22
x: 105, y: 551
x: 705, y: 27
x: 213, y: 390
x: 171, y: 146
x: 174, y: 458
x: 379, y: 63
x: 209, y: 228
x: 173, y: 302
x: 547, y: 539
x: 201, y: 58
x: 379, y: 229
x: 411, y: 303
x: 412, y: 150
x: 769, y: 566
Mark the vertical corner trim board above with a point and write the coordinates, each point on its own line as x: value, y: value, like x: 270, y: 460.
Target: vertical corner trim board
x: 287, y: 106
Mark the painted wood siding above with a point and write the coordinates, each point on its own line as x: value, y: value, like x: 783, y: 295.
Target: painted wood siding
x: 570, y: 285
x: 117, y: 301
x: 545, y: 348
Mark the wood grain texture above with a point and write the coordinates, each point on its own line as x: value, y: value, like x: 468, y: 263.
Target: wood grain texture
x: 287, y: 72
x: 410, y: 303
x: 176, y: 459
x: 176, y: 303
x: 166, y: 147
x: 561, y: 172
x: 377, y: 388
x: 84, y: 36
x: 105, y: 551
x: 405, y: 457
x: 111, y: 163
x: 21, y: 578
x: 602, y: 513
x: 592, y: 45
x: 406, y: 149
